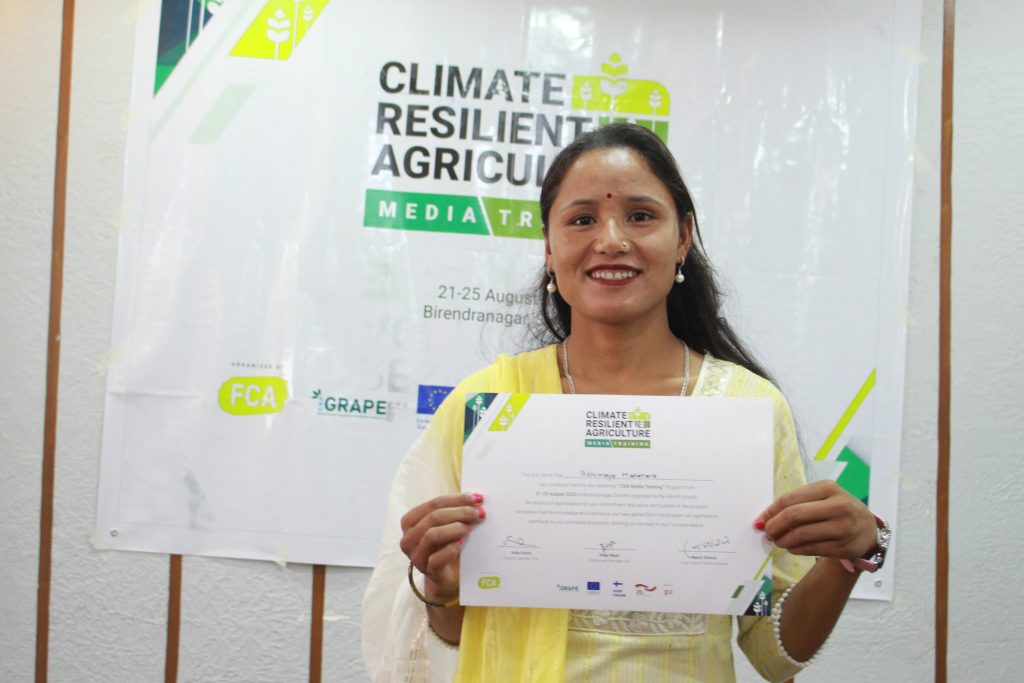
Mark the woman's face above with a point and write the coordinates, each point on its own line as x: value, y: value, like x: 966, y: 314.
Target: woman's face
x: 614, y: 238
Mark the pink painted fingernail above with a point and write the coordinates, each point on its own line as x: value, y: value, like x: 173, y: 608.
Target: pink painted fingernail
x: 478, y: 498
x: 759, y: 523
x: 481, y: 512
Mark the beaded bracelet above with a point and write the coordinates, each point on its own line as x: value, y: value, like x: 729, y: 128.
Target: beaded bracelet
x: 776, y: 621
x: 416, y: 591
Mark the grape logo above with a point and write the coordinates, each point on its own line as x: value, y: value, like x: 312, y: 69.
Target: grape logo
x: 350, y: 406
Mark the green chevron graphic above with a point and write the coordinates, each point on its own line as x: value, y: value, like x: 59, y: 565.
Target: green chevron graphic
x: 856, y: 476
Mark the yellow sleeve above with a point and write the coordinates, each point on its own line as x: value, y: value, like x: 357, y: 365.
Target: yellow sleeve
x: 756, y: 635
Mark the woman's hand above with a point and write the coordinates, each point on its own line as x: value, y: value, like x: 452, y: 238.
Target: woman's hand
x: 820, y: 519
x: 432, y: 538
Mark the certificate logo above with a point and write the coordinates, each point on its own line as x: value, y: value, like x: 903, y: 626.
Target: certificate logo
x: 761, y: 604
x: 593, y: 586
x: 644, y: 589
x: 488, y: 582
x: 617, y: 429
x: 618, y: 589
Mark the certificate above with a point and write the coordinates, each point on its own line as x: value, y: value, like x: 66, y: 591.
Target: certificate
x: 618, y: 502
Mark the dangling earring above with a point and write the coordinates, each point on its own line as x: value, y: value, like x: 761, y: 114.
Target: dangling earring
x: 551, y: 286
x: 679, y: 273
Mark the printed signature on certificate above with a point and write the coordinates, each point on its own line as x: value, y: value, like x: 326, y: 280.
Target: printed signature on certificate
x: 707, y: 549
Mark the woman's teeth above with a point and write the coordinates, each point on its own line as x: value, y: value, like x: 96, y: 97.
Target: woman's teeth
x: 613, y: 274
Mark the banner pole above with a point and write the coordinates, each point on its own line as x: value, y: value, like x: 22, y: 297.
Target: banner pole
x: 316, y: 624
x: 49, y: 465
x: 945, y: 276
x: 173, y: 620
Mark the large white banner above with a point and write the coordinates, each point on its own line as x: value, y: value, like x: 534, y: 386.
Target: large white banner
x: 332, y: 217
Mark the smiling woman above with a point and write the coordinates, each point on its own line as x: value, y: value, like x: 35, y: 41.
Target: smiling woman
x: 615, y: 258
x: 626, y: 168
x: 628, y: 293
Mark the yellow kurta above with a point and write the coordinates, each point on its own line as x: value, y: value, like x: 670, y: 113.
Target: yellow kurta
x: 541, y: 645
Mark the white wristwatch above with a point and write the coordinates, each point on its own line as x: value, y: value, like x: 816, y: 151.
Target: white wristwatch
x: 873, y: 562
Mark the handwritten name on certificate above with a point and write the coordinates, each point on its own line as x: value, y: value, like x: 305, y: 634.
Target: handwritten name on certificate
x: 618, y: 502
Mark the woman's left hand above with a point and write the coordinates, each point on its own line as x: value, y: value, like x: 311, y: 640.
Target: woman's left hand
x: 820, y: 519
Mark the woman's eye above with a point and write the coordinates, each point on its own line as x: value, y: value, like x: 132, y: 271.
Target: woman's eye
x: 640, y: 216
x: 582, y: 220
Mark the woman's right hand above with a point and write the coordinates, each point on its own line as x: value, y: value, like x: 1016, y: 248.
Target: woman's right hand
x: 432, y: 538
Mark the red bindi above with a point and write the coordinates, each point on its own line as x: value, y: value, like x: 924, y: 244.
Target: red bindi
x: 609, y: 195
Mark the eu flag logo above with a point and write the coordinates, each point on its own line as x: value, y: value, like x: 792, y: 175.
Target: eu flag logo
x: 593, y: 585
x: 430, y: 398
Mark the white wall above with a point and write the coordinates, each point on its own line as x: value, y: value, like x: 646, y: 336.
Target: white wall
x: 986, y: 507
x: 249, y: 621
x: 29, y: 63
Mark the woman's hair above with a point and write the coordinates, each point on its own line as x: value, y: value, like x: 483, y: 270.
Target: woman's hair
x: 694, y: 307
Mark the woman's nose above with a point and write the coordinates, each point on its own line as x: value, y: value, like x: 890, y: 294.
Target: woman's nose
x: 611, y: 237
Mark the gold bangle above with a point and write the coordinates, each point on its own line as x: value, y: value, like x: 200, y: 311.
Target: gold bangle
x: 416, y: 591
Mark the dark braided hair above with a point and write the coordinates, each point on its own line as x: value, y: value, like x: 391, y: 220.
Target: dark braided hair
x: 694, y: 307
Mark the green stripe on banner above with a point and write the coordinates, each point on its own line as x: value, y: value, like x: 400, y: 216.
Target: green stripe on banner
x: 514, y: 217
x: 239, y: 14
x: 224, y: 109
x: 848, y: 414
x: 420, y: 211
